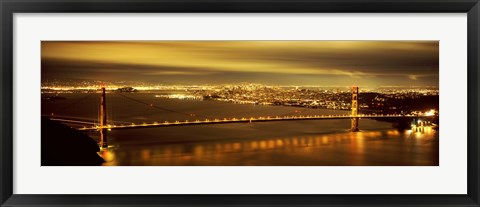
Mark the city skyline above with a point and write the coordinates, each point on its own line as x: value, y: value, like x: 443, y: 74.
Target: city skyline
x: 240, y: 103
x: 365, y: 63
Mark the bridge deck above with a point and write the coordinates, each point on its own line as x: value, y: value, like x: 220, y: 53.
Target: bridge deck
x: 234, y: 120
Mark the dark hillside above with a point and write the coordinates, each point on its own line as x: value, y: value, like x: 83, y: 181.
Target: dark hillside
x: 62, y: 145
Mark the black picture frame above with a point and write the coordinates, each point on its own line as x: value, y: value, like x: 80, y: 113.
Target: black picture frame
x: 10, y: 7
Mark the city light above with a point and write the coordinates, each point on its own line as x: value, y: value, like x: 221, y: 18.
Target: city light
x: 243, y: 103
x: 430, y: 113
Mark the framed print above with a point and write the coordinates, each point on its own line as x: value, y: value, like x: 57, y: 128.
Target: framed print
x: 257, y: 103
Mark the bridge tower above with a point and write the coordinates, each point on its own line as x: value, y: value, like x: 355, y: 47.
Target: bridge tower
x: 103, y: 119
x: 354, y: 127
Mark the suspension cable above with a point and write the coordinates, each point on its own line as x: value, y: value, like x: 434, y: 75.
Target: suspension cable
x: 160, y: 108
x: 72, y: 104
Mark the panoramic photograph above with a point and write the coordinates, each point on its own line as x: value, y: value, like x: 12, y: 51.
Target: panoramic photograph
x: 240, y: 103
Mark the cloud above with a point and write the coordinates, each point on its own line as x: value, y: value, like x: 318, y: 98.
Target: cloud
x: 177, y: 73
x: 374, y: 60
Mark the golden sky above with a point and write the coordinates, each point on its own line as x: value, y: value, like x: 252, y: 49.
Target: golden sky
x: 372, y: 63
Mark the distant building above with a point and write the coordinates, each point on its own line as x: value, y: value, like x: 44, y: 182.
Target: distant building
x: 127, y: 90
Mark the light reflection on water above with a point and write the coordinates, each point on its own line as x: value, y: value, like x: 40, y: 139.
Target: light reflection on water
x: 386, y: 147
x: 290, y: 143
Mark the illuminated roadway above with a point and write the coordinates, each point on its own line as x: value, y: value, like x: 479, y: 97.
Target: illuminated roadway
x: 233, y: 120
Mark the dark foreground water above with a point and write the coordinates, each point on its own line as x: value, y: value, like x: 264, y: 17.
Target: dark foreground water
x: 289, y: 143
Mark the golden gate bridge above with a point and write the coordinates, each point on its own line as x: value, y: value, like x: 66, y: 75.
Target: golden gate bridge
x: 103, y: 127
x: 231, y: 120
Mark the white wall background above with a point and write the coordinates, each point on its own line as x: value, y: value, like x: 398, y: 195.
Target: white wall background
x: 449, y: 177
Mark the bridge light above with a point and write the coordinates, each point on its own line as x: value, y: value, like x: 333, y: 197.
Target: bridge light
x: 430, y: 113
